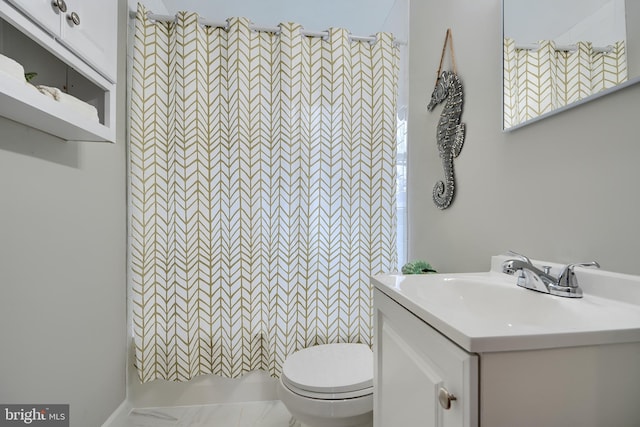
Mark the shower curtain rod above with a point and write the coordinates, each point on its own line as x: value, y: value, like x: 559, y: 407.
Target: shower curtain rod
x: 565, y: 48
x: 224, y: 24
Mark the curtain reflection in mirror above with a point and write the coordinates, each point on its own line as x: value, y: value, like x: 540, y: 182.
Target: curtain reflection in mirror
x: 540, y: 80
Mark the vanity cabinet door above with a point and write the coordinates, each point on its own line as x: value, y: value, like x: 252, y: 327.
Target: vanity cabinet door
x: 416, y: 368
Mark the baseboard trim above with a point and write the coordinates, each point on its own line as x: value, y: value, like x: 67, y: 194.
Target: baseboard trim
x: 119, y: 414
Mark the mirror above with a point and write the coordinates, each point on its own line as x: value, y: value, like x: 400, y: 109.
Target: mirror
x: 562, y: 53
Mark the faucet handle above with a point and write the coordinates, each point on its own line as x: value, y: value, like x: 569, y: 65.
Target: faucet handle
x: 568, y: 279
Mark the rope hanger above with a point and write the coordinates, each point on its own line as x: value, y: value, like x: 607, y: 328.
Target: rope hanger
x: 448, y: 39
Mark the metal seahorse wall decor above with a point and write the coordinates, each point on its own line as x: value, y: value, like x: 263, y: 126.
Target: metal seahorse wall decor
x: 450, y: 132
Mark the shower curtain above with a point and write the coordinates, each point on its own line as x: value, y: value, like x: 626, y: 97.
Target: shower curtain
x: 542, y: 80
x: 262, y: 188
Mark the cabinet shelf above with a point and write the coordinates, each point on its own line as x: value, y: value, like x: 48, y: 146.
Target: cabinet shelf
x: 24, y: 104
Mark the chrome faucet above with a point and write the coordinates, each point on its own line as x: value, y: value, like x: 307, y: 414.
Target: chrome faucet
x: 541, y: 280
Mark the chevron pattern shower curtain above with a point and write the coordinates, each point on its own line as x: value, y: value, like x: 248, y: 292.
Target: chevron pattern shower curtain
x: 262, y: 187
x: 542, y: 80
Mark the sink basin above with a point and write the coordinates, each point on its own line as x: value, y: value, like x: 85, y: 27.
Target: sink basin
x: 486, y: 312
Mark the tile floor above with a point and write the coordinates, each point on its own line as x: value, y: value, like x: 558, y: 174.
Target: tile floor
x: 251, y: 414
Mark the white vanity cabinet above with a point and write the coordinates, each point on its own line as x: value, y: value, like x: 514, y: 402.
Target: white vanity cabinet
x: 91, y: 36
x: 509, y: 356
x: 72, y: 46
x: 421, y: 378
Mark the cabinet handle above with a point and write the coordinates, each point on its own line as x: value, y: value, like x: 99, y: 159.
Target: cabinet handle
x: 60, y: 5
x: 445, y: 398
x: 74, y: 17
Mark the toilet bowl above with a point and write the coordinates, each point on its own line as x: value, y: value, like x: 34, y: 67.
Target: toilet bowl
x: 329, y: 385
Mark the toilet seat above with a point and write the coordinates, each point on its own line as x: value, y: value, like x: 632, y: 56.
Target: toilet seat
x: 330, y: 371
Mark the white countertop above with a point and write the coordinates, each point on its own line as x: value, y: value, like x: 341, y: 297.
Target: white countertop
x: 488, y: 312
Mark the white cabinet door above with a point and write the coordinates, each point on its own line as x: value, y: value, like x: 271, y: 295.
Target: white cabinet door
x: 94, y: 37
x: 42, y: 12
x: 414, y: 364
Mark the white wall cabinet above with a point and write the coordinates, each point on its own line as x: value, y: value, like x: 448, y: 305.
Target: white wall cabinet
x: 421, y: 378
x: 92, y: 37
x: 79, y: 58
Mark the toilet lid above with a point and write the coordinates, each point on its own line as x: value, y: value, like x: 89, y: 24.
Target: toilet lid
x: 330, y: 368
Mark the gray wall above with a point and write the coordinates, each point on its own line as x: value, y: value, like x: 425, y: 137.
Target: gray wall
x: 632, y: 8
x: 63, y: 269
x: 563, y: 189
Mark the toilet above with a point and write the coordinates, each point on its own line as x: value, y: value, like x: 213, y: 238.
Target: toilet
x: 329, y: 385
